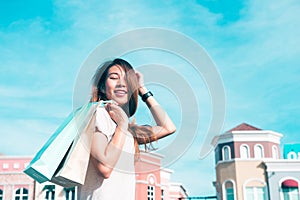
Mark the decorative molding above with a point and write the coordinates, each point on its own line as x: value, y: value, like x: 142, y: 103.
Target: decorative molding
x: 282, y: 165
x: 248, y: 136
x: 149, y: 161
x: 250, y: 160
x: 141, y: 182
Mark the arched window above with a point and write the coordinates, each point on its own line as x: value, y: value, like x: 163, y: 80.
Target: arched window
x: 290, y: 189
x: 274, y: 152
x: 49, y: 192
x: 258, y: 151
x: 1, y: 194
x: 228, y: 190
x: 151, y: 187
x: 21, y: 194
x: 244, y: 151
x: 226, y: 153
x: 70, y: 193
x: 292, y: 155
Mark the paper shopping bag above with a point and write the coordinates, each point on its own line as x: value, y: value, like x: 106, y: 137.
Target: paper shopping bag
x: 45, y: 162
x: 73, y: 168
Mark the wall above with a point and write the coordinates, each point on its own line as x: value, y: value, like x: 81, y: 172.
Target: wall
x: 13, y: 178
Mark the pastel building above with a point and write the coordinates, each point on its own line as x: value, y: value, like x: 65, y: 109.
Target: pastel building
x: 51, y: 191
x: 284, y: 174
x: 249, y: 166
x: 14, y: 184
x: 153, y: 182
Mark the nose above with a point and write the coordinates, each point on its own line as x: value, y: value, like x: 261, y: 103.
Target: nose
x: 122, y: 82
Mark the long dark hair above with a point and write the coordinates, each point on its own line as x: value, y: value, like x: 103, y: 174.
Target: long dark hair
x: 141, y: 134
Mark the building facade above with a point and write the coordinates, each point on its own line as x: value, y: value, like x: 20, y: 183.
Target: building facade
x: 283, y: 179
x: 249, y: 166
x: 152, y: 182
x: 14, y: 184
x: 284, y: 174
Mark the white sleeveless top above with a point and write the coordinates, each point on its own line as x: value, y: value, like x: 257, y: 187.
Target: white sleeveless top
x: 121, y: 183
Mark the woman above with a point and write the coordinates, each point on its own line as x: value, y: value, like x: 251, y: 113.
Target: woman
x: 110, y: 174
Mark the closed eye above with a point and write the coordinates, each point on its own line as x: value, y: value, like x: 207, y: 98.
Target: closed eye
x: 113, y: 76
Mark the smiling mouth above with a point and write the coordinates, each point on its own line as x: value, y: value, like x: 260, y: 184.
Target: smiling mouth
x: 120, y: 92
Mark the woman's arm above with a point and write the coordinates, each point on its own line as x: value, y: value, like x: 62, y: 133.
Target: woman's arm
x: 105, y: 154
x: 164, y: 124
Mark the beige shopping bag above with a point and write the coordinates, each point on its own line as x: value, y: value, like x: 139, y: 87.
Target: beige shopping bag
x: 46, y: 161
x: 72, y: 169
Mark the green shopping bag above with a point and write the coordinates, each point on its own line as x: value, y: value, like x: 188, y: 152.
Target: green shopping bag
x: 72, y: 169
x: 46, y: 161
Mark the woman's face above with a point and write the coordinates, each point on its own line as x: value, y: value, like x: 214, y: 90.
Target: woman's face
x: 116, y: 85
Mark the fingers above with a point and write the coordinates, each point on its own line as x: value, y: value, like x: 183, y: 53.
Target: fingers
x: 117, y: 114
x: 139, y: 75
x: 111, y: 105
x: 140, y: 78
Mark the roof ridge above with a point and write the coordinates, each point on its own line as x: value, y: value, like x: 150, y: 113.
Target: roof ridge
x: 243, y: 127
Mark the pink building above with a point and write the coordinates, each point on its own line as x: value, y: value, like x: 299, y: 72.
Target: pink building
x: 153, y: 182
x: 14, y: 184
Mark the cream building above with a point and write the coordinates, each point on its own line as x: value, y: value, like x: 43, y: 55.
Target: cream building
x: 240, y: 154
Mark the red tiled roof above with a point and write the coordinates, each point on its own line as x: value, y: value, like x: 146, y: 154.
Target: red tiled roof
x: 243, y: 127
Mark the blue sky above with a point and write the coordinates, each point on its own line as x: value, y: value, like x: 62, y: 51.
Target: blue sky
x: 254, y: 44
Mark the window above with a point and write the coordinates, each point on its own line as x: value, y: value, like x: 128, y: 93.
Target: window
x: 229, y: 190
x: 258, y: 151
x: 290, y: 193
x: 70, y: 193
x: 290, y: 190
x: 5, y: 166
x: 151, y: 192
x: 229, y: 194
x: 244, y: 151
x: 226, y: 153
x: 16, y: 165
x: 274, y: 152
x: 292, y: 155
x: 1, y: 194
x: 21, y: 194
x: 256, y: 193
x: 49, y: 191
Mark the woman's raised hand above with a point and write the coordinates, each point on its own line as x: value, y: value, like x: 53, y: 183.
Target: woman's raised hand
x: 140, y: 78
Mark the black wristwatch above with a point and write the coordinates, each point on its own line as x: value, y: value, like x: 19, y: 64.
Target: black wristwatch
x: 146, y: 96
